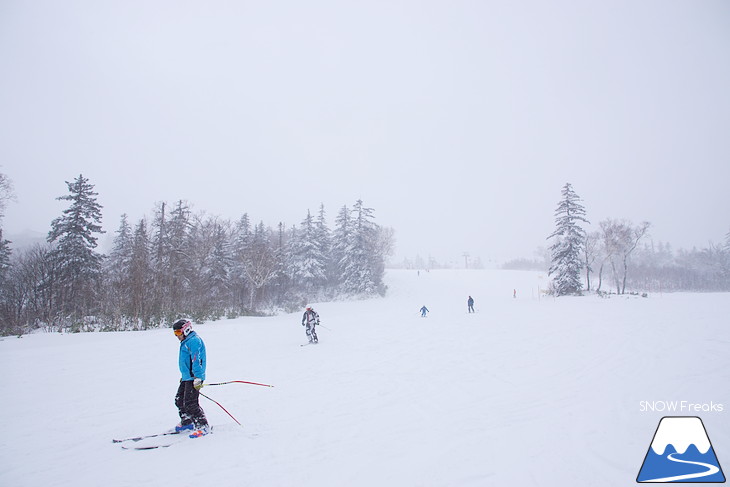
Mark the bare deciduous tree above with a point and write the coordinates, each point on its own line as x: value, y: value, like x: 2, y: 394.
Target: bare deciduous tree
x: 620, y: 238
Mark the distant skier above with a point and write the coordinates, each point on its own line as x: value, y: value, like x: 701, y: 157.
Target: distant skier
x: 192, y: 363
x: 470, y: 304
x: 311, y: 320
x: 424, y: 310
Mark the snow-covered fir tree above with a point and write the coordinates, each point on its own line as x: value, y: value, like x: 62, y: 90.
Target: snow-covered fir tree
x: 242, y: 239
x: 725, y: 264
x: 340, y: 244
x: 219, y: 268
x: 323, y: 237
x: 170, y: 260
x: 5, y: 253
x: 116, y: 269
x: 361, y: 266
x: 281, y: 285
x: 179, y: 245
x: 6, y: 193
x: 78, y: 265
x: 210, y: 264
x: 307, y: 261
x: 141, y: 277
x: 159, y: 259
x: 120, y: 256
x: 566, y: 251
x: 289, y: 256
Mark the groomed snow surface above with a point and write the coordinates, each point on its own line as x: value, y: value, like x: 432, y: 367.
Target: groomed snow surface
x: 527, y: 391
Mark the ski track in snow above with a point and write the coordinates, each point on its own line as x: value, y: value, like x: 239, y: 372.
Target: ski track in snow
x: 527, y: 391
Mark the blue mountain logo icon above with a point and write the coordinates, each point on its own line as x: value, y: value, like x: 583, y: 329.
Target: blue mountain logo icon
x: 681, y: 452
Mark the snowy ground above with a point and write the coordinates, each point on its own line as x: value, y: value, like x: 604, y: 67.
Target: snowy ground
x: 527, y: 391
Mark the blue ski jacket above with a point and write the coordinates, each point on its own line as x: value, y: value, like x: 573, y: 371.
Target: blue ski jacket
x: 192, y: 357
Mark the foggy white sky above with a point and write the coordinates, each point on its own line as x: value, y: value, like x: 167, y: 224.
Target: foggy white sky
x: 458, y: 121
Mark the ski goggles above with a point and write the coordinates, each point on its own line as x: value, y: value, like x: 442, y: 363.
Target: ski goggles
x: 184, y: 330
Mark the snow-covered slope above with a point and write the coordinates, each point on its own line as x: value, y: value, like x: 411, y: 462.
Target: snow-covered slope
x: 526, y: 391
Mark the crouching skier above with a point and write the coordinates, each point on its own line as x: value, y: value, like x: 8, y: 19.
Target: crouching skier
x: 310, y: 320
x: 192, y: 367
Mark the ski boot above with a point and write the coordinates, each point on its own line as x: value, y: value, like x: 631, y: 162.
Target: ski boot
x: 183, y: 427
x: 202, y: 431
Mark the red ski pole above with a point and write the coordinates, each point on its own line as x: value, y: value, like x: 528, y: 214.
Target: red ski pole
x: 224, y: 409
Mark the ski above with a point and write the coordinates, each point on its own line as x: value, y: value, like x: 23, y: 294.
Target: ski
x: 310, y: 343
x: 150, y: 447
x: 140, y: 438
x: 154, y: 442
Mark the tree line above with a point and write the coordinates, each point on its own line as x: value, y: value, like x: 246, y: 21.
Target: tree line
x: 616, y: 257
x: 180, y: 263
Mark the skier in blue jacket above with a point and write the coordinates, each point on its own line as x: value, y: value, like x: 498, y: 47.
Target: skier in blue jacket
x: 192, y: 367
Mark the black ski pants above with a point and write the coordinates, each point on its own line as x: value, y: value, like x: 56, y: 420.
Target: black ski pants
x: 187, y: 404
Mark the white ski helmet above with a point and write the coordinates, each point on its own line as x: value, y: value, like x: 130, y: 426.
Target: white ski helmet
x: 184, y: 326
